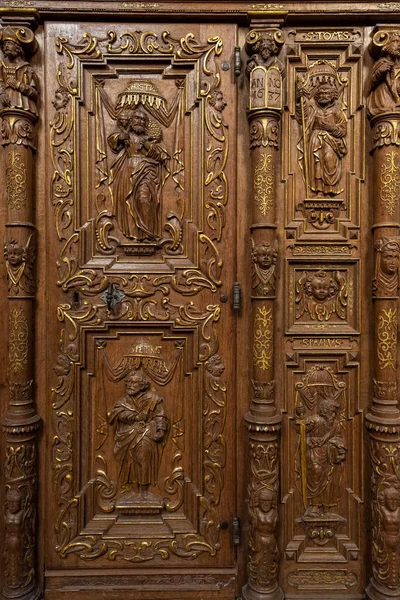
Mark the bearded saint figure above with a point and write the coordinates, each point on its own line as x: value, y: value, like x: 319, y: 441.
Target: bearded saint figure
x: 136, y: 176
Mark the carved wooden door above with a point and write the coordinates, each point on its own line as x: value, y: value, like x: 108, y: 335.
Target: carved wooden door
x: 140, y: 328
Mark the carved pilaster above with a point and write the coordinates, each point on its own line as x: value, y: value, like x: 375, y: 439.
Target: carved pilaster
x: 265, y: 73
x: 383, y: 420
x: 18, y: 111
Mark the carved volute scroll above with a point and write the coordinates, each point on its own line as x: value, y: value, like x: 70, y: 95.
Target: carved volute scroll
x: 265, y: 73
x: 19, y: 114
x: 383, y: 420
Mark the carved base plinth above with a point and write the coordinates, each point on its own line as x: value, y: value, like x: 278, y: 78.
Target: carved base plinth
x: 139, y: 249
x: 252, y: 592
x: 321, y: 212
x: 376, y: 591
x: 321, y: 529
x: 135, y: 504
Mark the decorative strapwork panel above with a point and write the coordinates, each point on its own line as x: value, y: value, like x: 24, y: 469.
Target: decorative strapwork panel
x: 322, y: 484
x: 139, y: 184
x: 323, y: 163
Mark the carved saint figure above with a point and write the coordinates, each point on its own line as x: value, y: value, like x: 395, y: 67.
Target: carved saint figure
x: 141, y: 427
x: 322, y: 448
x: 263, y: 276
x: 18, y: 83
x: 320, y: 295
x: 265, y: 54
x: 13, y: 537
x: 386, y: 280
x: 324, y: 128
x: 384, y: 83
x: 136, y: 176
x: 263, y: 564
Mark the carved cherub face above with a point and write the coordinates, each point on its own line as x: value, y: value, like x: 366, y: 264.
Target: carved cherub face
x: 14, y: 253
x: 61, y: 99
x: 11, y: 49
x: 63, y: 366
x: 218, y: 101
x: 135, y: 383
x: 263, y: 256
x: 139, y: 122
x: 14, y: 501
x: 391, y: 497
x: 389, y: 261
x: 321, y: 286
x: 215, y: 366
x: 325, y: 95
x: 124, y: 119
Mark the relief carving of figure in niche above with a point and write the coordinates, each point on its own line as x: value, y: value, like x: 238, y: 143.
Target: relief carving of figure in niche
x: 383, y: 93
x: 263, y: 276
x: 321, y: 294
x: 386, y: 280
x: 141, y: 428
x: 18, y: 81
x: 321, y: 113
x: 322, y: 448
x: 136, y: 176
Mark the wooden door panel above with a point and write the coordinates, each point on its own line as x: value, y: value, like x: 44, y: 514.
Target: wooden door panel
x: 142, y: 186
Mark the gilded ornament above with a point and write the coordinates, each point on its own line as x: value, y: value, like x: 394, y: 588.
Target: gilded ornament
x: 263, y: 337
x: 390, y: 180
x: 387, y: 338
x: 264, y: 182
x: 15, y: 180
x: 18, y: 341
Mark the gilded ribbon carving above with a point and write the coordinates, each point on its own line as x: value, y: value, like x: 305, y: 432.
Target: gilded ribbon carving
x: 18, y: 96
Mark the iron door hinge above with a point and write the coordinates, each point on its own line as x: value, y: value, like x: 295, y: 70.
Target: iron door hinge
x: 237, y: 62
x: 237, y: 296
x: 236, y: 531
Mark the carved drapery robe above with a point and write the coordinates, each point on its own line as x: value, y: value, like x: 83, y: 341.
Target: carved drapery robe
x: 141, y: 424
x: 136, y: 179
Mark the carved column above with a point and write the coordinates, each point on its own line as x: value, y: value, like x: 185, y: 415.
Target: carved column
x: 18, y: 95
x: 265, y: 73
x: 383, y: 420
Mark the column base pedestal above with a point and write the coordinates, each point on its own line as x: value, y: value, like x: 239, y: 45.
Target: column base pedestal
x: 376, y: 591
x: 255, y: 593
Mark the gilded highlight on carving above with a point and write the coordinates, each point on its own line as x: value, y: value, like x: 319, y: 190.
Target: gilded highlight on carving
x: 18, y: 345
x: 15, y: 180
x: 387, y: 339
x: 390, y: 180
x: 264, y: 181
x: 263, y: 335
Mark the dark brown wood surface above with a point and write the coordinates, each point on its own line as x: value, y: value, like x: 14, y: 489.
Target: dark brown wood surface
x: 156, y: 178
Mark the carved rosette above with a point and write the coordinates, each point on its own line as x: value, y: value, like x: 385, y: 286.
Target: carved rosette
x: 265, y: 73
x: 383, y: 420
x: 18, y: 95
